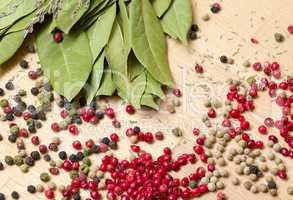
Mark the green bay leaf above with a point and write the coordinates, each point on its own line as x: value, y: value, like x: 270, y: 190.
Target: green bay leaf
x: 95, y: 78
x: 154, y: 87
x: 178, y: 20
x: 148, y: 41
x: 71, y: 12
x: 107, y: 87
x: 15, y: 10
x: 148, y: 100
x: 10, y: 44
x: 161, y: 6
x: 100, y: 32
x: 66, y: 64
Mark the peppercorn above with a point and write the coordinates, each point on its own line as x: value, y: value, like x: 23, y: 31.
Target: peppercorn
x: 95, y: 149
x: 105, y: 140
x: 194, y: 27
x: 100, y: 115
x: 272, y: 184
x: 29, y: 161
x: 192, y: 35
x: 76, y: 197
x: 47, y: 157
x: 253, y: 169
x: 18, y: 160
x: 35, y: 155
x: 279, y: 37
x: 2, y: 93
x: 2, y: 196
x: 9, y: 160
x: 45, y: 177
x: 9, y: 116
x: 1, y: 166
x: 224, y: 59
x: 205, y: 17
x: 9, y: 85
x: 1, y: 137
x: 31, y: 189
x: 12, y: 138
x: 62, y: 155
x: 73, y: 158
x: 15, y: 195
x: 215, y: 8
x: 80, y: 156
x: 113, y: 145
x: 290, y: 190
x: 14, y: 130
x: 35, y: 91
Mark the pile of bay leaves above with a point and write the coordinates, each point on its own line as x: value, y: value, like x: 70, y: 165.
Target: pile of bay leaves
x: 108, y: 46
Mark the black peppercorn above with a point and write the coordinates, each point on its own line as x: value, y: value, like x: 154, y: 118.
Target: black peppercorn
x: 31, y: 108
x: 93, y: 104
x: 224, y: 59
x: 14, y: 195
x: 23, y: 64
x: 272, y: 185
x: 2, y: 93
x: 35, y: 155
x: 194, y: 27
x: 17, y: 112
x: 105, y: 140
x: 192, y: 35
x: 35, y: 91
x: 80, y: 156
x: 9, y: 116
x: 1, y: 166
x: 29, y: 161
x: 31, y: 189
x: 76, y: 197
x: 2, y: 196
x: 100, y: 115
x: 67, y: 105
x: 47, y: 157
x: 32, y: 129
x: 77, y: 120
x: 95, y: 149
x: 12, y: 138
x: 9, y: 85
x: 215, y: 8
x: 62, y: 155
x: 82, y: 101
x: 136, y: 129
x: 60, y: 103
x: 253, y: 169
x: 73, y: 158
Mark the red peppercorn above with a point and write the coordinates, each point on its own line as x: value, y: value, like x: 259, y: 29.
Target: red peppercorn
x: 43, y: 149
x: 200, y: 141
x: 89, y: 143
x: 259, y: 144
x: 262, y: 130
x: 94, y: 120
x: 67, y: 165
x: 290, y: 29
x: 257, y: 66
x: 211, y: 167
x: 49, y: 194
x: 198, y: 149
x: 284, y: 151
x: 75, y: 183
x: 73, y: 129
x: 212, y: 113
x: 55, y: 127
x: 177, y: 92
x: 33, y: 75
x: 76, y: 145
x: 135, y: 148
x: 23, y: 132
x: 282, y: 174
x: 64, y: 114
x: 198, y: 68
x: 57, y: 36
x: 254, y: 41
x: 275, y: 66
x: 114, y: 137
x: 159, y: 135
x: 245, y: 137
x: 110, y: 113
x: 95, y: 195
x: 273, y: 138
x: 35, y: 140
x: 130, y: 109
x: 251, y: 144
x: 244, y: 125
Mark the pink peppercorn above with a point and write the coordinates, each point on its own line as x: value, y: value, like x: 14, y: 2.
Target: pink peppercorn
x: 211, y: 167
x: 254, y: 41
x: 33, y: 75
x: 212, y: 113
x: 290, y: 29
x: 73, y: 129
x: 114, y: 137
x: 257, y: 66
x: 130, y: 109
x: 103, y: 147
x: 76, y: 145
x: 262, y: 130
x: 110, y: 112
x: 198, y: 68
x: 49, y: 194
x: 55, y: 127
x: 282, y: 174
x: 159, y: 135
x: 57, y: 36
x: 35, y: 140
x: 177, y: 92
x: 43, y: 149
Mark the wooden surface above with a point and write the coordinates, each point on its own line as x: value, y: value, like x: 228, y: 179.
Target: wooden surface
x: 227, y: 33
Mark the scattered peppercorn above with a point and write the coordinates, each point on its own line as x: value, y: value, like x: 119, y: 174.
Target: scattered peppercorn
x: 31, y: 189
x: 224, y: 59
x: 23, y: 64
x: 15, y: 195
x: 9, y: 85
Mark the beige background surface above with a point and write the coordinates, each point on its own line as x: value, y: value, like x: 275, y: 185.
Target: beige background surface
x: 227, y: 33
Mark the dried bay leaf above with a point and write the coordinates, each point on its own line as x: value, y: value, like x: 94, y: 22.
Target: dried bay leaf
x: 154, y: 87
x: 100, y: 32
x: 15, y: 10
x: 108, y: 87
x: 148, y: 100
x: 95, y: 78
x: 70, y: 13
x: 178, y: 20
x: 9, y: 45
x: 161, y: 6
x: 148, y: 41
x: 71, y: 64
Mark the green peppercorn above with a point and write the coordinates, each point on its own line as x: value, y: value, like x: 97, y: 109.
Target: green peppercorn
x: 192, y: 184
x: 84, y: 168
x: 14, y: 130
x: 86, y: 161
x: 18, y: 160
x: 87, y: 152
x: 4, y: 103
x: 9, y: 160
x: 24, y: 168
x: 45, y: 177
x: 73, y: 174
